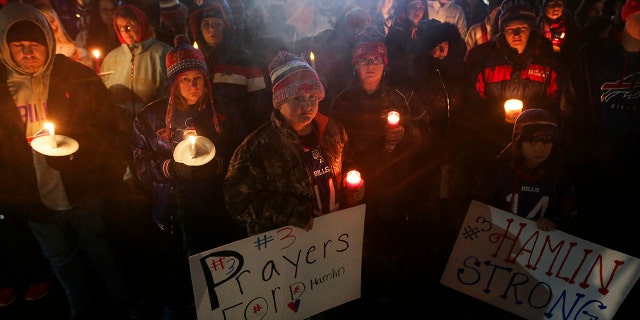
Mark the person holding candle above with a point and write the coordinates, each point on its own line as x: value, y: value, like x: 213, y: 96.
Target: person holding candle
x: 187, y: 201
x: 384, y: 153
x: 64, y: 197
x: 518, y: 63
x: 269, y: 182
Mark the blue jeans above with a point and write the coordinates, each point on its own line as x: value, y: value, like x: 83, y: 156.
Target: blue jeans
x: 76, y: 234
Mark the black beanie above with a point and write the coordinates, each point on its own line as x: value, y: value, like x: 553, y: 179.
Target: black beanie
x: 26, y: 30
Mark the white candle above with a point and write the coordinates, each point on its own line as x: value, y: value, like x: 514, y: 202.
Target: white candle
x: 312, y: 58
x: 192, y: 139
x: 52, y: 134
x: 512, y: 109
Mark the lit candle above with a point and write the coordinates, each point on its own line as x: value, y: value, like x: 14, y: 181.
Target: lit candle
x: 312, y: 58
x: 96, y: 60
x: 512, y: 109
x: 195, y: 45
x: 393, y: 118
x: 52, y: 134
x: 192, y: 139
x: 354, y: 180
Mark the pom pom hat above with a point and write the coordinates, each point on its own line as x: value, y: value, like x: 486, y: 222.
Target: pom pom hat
x: 629, y: 8
x: 184, y: 57
x: 535, y: 125
x: 292, y: 76
x: 511, y: 10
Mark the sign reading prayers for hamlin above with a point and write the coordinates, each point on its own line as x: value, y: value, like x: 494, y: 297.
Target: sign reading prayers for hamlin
x: 287, y: 273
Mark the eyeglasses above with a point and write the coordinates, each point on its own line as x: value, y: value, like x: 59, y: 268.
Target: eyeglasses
x: 127, y: 28
x: 370, y: 61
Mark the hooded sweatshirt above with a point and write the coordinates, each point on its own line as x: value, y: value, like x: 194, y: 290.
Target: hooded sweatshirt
x: 29, y: 92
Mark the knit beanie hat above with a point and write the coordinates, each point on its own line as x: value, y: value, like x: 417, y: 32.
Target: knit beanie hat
x: 535, y: 125
x: 26, y: 30
x: 369, y: 42
x: 184, y: 57
x: 511, y: 10
x: 629, y: 8
x: 173, y: 12
x: 291, y: 76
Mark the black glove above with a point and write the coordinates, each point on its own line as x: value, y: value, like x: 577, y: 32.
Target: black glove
x: 211, y: 169
x: 181, y: 171
x: 60, y: 163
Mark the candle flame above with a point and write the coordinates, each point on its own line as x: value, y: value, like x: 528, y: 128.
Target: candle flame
x: 96, y: 53
x: 354, y: 178
x: 393, y: 118
x: 195, y: 45
x: 49, y: 126
x: 513, y: 104
x: 192, y: 139
x: 312, y: 56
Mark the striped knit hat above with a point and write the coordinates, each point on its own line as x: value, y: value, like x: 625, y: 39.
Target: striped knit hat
x: 184, y: 57
x: 292, y: 76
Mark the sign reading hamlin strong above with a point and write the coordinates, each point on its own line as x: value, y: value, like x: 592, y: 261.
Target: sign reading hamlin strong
x: 505, y: 260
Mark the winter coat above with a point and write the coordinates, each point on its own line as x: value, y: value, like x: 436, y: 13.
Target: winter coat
x: 153, y: 156
x: 78, y: 104
x: 269, y: 185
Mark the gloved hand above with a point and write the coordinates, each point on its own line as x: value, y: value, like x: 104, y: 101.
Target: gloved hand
x: 208, y: 170
x: 394, y: 135
x: 60, y: 163
x: 181, y: 171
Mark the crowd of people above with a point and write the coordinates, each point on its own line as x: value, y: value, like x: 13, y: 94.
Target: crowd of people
x: 292, y: 95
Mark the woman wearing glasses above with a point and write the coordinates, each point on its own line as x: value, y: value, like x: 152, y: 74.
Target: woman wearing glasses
x: 138, y: 65
x: 382, y: 152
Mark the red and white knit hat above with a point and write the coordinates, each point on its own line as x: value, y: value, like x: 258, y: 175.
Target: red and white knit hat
x: 292, y: 76
x: 184, y: 57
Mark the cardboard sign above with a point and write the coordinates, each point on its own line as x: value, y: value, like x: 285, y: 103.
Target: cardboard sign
x: 286, y: 273
x: 505, y: 260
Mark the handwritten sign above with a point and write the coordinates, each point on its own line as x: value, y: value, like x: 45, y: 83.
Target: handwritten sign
x: 287, y: 273
x: 505, y: 260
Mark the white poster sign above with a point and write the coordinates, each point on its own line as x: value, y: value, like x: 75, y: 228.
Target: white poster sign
x: 287, y: 273
x: 505, y: 260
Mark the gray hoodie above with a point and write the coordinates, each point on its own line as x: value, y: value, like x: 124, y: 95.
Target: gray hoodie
x: 29, y: 92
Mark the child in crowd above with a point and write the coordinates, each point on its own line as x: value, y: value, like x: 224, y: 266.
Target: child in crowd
x: 528, y: 179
